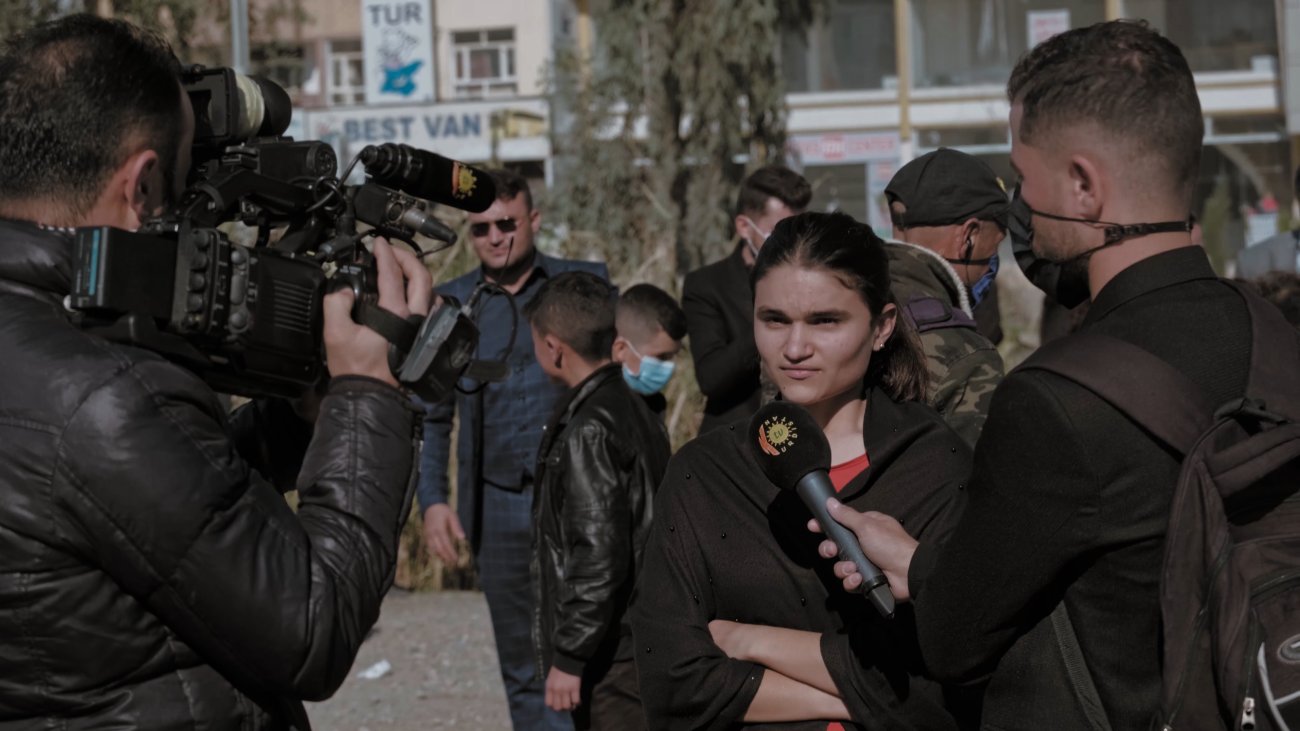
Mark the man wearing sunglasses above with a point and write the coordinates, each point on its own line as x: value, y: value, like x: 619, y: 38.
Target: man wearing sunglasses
x: 500, y: 431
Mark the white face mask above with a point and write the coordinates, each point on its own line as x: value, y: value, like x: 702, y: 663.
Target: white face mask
x: 765, y: 234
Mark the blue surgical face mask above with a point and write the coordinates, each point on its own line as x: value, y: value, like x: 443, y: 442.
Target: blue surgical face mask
x: 654, y: 374
x: 982, y: 285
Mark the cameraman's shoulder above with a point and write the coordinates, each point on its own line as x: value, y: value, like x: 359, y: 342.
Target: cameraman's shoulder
x: 134, y: 382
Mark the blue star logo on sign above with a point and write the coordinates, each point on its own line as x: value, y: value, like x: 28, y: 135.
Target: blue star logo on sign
x: 401, y: 79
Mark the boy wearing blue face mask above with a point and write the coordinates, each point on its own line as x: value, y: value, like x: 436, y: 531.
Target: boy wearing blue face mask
x: 651, y: 327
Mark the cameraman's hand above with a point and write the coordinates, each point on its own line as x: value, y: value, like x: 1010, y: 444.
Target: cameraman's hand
x: 356, y: 350
x: 442, y: 532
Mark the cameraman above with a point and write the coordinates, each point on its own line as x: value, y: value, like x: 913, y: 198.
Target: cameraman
x: 150, y: 577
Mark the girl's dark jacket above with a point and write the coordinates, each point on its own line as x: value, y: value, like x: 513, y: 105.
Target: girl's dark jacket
x: 151, y: 576
x: 728, y: 544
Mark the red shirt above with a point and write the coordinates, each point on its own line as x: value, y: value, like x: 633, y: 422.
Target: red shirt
x: 841, y: 475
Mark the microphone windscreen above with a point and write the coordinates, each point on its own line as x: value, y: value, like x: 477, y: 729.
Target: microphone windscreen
x: 453, y: 183
x: 787, y: 443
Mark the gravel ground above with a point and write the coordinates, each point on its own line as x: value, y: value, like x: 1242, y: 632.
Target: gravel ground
x: 444, y: 670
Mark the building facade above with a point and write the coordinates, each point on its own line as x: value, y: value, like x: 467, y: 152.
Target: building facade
x: 871, y: 84
x: 488, y: 61
x: 857, y: 109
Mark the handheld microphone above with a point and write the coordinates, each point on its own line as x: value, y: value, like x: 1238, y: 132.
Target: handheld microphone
x: 429, y: 176
x: 794, y: 455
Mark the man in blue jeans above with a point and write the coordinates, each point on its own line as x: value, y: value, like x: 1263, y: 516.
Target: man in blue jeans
x: 500, y: 430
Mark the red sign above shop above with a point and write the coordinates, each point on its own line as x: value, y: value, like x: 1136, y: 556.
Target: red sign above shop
x: 837, y: 148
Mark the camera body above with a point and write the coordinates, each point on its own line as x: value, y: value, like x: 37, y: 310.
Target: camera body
x: 248, y: 319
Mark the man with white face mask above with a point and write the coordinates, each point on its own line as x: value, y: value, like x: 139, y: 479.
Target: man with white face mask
x: 719, y: 301
x: 651, y: 326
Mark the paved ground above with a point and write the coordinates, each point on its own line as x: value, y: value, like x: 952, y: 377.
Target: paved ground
x: 444, y: 672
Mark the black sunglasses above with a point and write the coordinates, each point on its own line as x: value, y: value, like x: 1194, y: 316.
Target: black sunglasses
x: 504, y: 225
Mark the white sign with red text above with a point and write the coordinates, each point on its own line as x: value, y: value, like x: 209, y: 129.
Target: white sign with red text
x: 1044, y: 24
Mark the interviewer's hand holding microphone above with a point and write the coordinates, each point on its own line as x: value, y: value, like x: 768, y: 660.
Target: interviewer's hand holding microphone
x: 882, y: 539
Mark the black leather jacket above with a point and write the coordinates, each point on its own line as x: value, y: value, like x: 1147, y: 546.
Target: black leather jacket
x: 150, y: 576
x: 600, y: 462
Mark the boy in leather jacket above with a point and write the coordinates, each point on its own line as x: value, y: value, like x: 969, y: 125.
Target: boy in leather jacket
x: 600, y: 461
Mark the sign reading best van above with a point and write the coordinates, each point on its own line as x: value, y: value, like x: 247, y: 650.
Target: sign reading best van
x: 397, y: 42
x: 460, y: 130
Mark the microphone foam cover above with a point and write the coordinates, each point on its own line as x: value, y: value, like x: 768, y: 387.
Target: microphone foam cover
x: 455, y: 184
x: 787, y: 443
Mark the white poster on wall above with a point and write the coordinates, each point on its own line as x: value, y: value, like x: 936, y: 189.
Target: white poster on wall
x: 1044, y: 24
x: 397, y: 42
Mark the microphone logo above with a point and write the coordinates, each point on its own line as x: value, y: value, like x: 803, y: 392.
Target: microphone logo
x: 776, y: 435
x: 463, y: 181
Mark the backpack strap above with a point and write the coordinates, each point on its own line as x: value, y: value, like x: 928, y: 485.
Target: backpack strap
x: 1076, y: 667
x: 932, y: 313
x: 1139, y: 384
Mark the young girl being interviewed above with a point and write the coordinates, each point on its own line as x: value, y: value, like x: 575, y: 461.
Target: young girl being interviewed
x: 737, y: 620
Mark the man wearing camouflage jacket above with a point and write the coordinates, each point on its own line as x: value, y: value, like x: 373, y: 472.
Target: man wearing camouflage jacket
x: 964, y: 366
x: 949, y: 214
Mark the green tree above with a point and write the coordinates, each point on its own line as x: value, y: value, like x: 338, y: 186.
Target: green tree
x: 175, y: 19
x: 655, y: 131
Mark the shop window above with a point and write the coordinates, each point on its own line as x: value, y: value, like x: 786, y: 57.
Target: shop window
x: 345, y: 74
x: 839, y: 188
x: 963, y: 137
x: 484, y: 63
x: 850, y: 46
x: 285, y: 65
x: 1215, y: 36
x: 970, y: 42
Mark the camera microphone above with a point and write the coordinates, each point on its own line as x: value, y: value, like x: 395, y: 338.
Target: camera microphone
x: 429, y: 176
x: 794, y: 455
x: 398, y: 216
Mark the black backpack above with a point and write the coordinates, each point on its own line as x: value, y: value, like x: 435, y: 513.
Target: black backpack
x: 1230, y: 587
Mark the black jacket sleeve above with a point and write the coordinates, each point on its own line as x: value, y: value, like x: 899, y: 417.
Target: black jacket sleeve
x: 272, y: 437
x: 1030, y: 511
x: 598, y: 545
x: 723, y: 363
x: 687, y: 681
x: 278, y: 602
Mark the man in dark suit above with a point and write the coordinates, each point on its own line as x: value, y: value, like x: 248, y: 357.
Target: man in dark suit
x: 1069, y: 500
x: 501, y: 427
x: 719, y: 301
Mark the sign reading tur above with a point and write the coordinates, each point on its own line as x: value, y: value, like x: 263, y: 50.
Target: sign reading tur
x: 397, y: 45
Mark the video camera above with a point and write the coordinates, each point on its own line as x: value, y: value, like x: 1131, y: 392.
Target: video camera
x: 248, y: 319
